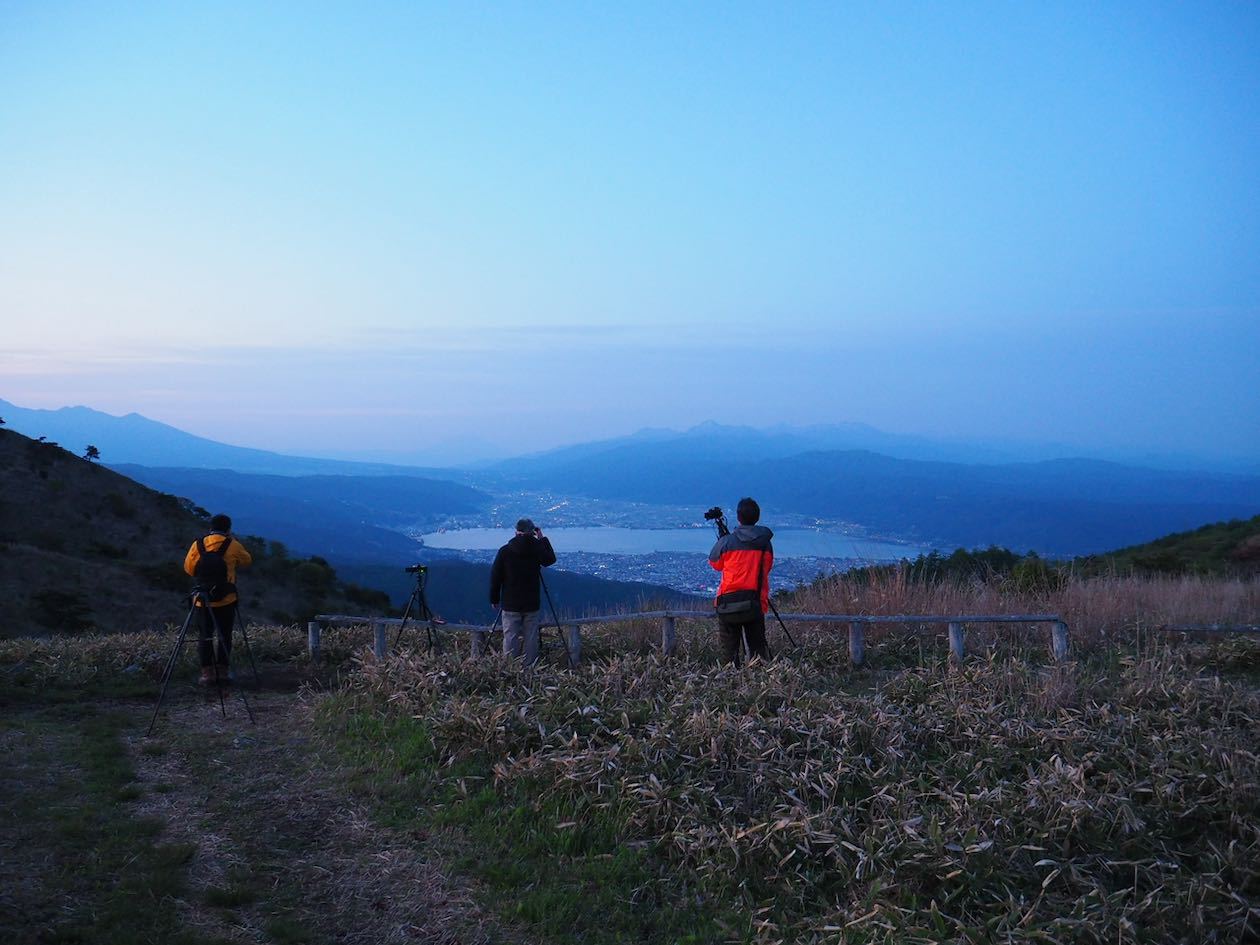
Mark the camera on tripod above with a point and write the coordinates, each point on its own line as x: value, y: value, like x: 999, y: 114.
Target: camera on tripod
x: 417, y: 569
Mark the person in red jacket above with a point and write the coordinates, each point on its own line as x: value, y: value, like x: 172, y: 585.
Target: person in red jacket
x: 219, y: 621
x: 745, y: 558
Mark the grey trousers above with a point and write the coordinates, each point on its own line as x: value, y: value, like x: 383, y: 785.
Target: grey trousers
x: 520, y: 630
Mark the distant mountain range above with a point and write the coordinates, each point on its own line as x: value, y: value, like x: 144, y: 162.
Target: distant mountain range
x: 784, y: 440
x: 1063, y: 506
x: 346, y: 510
x: 136, y: 439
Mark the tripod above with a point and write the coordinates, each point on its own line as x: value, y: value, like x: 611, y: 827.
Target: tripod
x: 559, y: 629
x: 202, y: 598
x: 419, y: 605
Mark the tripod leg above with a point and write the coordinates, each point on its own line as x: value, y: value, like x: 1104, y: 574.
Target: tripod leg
x: 556, y: 618
x: 218, y: 680
x: 411, y: 603
x: 221, y: 632
x: 498, y: 616
x: 787, y: 632
x: 249, y: 650
x: 170, y: 669
x: 430, y: 628
x: 245, y: 702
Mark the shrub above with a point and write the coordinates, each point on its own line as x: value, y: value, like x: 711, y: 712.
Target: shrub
x: 104, y: 549
x: 367, y: 597
x: 167, y: 577
x: 63, y: 611
x: 315, y: 577
x: 118, y: 506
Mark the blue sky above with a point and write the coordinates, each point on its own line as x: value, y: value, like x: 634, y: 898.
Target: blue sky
x: 521, y: 225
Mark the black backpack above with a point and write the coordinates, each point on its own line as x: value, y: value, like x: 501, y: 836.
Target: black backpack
x: 211, y: 571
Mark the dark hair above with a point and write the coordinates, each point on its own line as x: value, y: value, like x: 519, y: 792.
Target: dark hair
x: 748, y: 511
x: 221, y: 523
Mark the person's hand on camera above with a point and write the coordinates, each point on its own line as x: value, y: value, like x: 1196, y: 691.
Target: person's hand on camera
x: 537, y: 532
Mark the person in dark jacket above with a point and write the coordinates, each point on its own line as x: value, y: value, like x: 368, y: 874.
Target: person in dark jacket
x: 745, y: 557
x: 514, y: 579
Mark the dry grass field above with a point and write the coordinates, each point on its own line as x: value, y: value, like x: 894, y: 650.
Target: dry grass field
x: 1111, y: 798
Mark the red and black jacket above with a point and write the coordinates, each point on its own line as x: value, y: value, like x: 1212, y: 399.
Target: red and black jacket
x: 739, y: 555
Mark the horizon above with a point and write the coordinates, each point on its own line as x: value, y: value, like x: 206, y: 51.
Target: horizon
x: 491, y: 233
x: 908, y: 445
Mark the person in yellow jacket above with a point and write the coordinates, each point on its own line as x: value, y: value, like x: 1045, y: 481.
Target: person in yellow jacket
x: 213, y: 561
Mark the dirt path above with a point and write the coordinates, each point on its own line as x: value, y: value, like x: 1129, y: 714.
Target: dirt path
x: 278, y: 852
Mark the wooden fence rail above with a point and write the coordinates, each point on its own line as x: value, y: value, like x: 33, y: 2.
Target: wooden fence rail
x: 478, y: 633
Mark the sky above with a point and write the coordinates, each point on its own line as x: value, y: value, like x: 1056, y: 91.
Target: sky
x: 467, y: 229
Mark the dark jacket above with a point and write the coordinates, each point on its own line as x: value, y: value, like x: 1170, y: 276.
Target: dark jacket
x: 515, y: 573
x: 739, y: 556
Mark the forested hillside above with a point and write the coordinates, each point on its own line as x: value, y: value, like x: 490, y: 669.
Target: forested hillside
x: 1221, y: 549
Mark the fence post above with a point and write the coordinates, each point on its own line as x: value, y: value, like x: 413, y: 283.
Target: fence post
x: 668, y: 641
x: 477, y: 638
x: 857, y: 643
x: 957, y: 646
x: 381, y: 635
x: 575, y: 644
x: 312, y: 640
x: 1059, y: 640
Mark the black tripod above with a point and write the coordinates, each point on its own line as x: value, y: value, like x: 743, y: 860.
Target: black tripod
x: 249, y: 650
x: 418, y: 605
x: 559, y: 629
x: 719, y: 520
x: 196, y: 600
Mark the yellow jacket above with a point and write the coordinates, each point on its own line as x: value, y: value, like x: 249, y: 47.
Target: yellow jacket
x: 236, y: 556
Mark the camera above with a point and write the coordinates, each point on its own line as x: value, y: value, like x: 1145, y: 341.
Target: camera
x: 417, y: 569
x: 715, y: 516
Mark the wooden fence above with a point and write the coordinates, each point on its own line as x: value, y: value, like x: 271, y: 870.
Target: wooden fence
x: 572, y: 629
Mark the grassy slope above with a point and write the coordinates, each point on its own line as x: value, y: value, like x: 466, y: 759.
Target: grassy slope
x: 1219, y: 548
x: 85, y: 547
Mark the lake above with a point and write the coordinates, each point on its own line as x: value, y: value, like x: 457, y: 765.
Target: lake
x: 788, y: 542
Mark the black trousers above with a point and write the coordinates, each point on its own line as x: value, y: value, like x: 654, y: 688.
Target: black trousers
x: 225, y: 615
x: 731, y: 636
